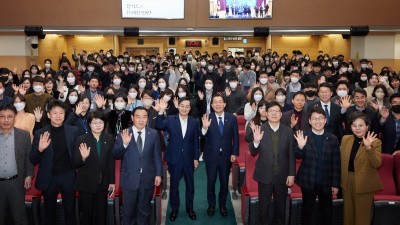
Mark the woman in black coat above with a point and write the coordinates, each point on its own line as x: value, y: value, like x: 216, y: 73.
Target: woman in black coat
x: 96, y: 170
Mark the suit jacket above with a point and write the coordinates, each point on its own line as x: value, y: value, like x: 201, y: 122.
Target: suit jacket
x: 22, y: 146
x: 366, y: 165
x: 372, y: 115
x: 149, y: 161
x: 334, y: 126
x: 388, y: 130
x: 285, y: 120
x: 228, y: 141
x: 87, y: 93
x: 330, y: 159
x: 77, y: 121
x: 45, y: 158
x: 95, y: 170
x: 286, y: 155
x: 180, y: 149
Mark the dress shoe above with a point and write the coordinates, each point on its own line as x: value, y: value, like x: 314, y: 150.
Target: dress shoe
x: 223, y: 210
x: 210, y: 211
x: 173, y: 215
x: 191, y: 214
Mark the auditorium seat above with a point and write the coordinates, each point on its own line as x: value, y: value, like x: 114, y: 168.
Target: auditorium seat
x: 156, y: 208
x: 386, y: 201
x: 249, y: 197
x: 397, y: 172
x: 241, y: 122
x: 33, y: 197
x: 164, y: 194
x: 238, y: 166
x: 114, y: 202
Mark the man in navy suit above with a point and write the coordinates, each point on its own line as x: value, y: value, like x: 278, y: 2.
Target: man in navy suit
x: 139, y: 148
x: 221, y: 148
x: 390, y: 126
x: 182, y: 153
x: 53, y: 149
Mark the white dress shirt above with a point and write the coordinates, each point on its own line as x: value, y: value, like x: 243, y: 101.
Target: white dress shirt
x: 184, y: 124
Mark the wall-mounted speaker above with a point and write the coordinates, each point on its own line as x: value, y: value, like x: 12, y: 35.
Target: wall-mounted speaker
x: 215, y: 41
x: 345, y: 36
x: 261, y: 31
x: 359, y: 31
x: 131, y: 31
x: 33, y: 31
x: 140, y: 41
x: 171, y: 41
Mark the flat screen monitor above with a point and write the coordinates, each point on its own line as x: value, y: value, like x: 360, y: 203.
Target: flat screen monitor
x: 153, y: 9
x: 240, y: 9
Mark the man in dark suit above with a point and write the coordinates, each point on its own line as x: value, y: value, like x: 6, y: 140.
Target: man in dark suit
x: 390, y: 126
x: 139, y: 148
x: 276, y: 164
x: 182, y: 153
x: 220, y: 150
x: 16, y: 170
x: 319, y: 172
x: 333, y: 112
x: 53, y: 149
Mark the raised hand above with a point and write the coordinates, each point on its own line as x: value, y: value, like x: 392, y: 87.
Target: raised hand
x: 228, y: 92
x: 85, y: 151
x: 79, y: 108
x: 163, y: 105
x: 374, y: 105
x: 15, y: 87
x: 176, y: 102
x: 206, y: 121
x: 293, y: 121
x: 155, y: 87
x: 44, y: 141
x: 346, y: 102
x: 38, y: 113
x: 100, y: 101
x: 156, y: 105
x: 254, y: 107
x: 367, y: 141
x: 257, y: 134
x: 126, y: 137
x: 22, y: 90
x: 200, y: 94
x: 82, y: 88
x: 301, y: 140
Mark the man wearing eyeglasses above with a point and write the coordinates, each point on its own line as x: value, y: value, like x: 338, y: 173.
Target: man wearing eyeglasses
x: 276, y: 164
x: 319, y: 172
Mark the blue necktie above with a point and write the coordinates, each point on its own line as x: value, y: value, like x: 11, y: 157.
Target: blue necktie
x: 221, y: 125
x: 327, y: 114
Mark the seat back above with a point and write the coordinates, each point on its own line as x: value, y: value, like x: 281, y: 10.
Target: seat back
x: 117, y: 178
x: 243, y: 147
x: 250, y: 163
x: 33, y: 192
x: 241, y: 122
x: 397, y: 172
x: 386, y: 175
x: 295, y: 189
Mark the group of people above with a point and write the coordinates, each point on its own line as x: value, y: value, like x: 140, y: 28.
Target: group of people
x: 75, y: 121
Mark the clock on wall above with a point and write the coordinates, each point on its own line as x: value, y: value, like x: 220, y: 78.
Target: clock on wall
x: 193, y: 44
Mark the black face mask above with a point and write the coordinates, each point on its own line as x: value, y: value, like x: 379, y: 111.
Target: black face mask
x: 4, y: 78
x: 65, y: 67
x: 396, y: 108
x: 311, y: 93
x: 109, y: 96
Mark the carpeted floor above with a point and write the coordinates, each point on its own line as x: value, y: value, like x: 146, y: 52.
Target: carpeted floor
x: 200, y: 203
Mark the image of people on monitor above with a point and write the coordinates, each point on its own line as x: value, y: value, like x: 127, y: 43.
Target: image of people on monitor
x: 240, y: 9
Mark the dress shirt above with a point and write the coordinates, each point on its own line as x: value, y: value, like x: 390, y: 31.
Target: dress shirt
x: 8, y: 161
x: 184, y: 124
x: 204, y: 131
x: 136, y: 135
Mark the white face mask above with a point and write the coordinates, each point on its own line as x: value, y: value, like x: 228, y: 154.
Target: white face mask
x: 47, y: 65
x: 132, y: 95
x: 137, y: 61
x: 307, y: 58
x: 20, y: 106
x: 166, y: 98
x: 363, y: 78
x: 257, y: 54
x: 117, y: 81
x: 280, y: 98
x: 108, y: 55
x: 350, y: 69
x: 240, y: 69
x: 120, y: 60
x: 91, y: 68
x: 162, y: 86
x: 263, y: 80
x: 184, y: 63
x: 252, y: 67
x: 210, y: 67
x: 342, y: 93
x: 364, y: 65
x: 208, y: 86
x: 269, y: 70
x: 228, y: 67
x: 282, y: 68
x: 203, y: 64
x: 180, y: 70
x: 142, y: 85
x: 343, y: 69
x: 335, y: 64
x: 147, y: 102
x: 257, y: 97
x: 119, y: 105
x: 380, y: 95
x: 71, y: 80
x: 233, y: 85
x: 123, y: 68
x: 72, y: 99
x: 294, y: 79
x: 176, y: 57
x: 182, y: 94
x: 38, y: 88
x: 131, y: 69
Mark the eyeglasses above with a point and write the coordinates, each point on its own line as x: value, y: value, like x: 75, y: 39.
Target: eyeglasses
x: 274, y: 111
x: 319, y: 119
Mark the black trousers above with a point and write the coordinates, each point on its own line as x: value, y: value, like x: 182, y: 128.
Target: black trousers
x: 64, y: 184
x: 324, y: 202
x: 279, y: 192
x: 222, y: 168
x: 93, y: 207
x: 12, y: 196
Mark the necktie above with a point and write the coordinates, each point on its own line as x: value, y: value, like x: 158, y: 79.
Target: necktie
x: 139, y: 142
x: 327, y: 114
x: 221, y: 125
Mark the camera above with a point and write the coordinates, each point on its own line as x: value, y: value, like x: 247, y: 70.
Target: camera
x: 34, y: 42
